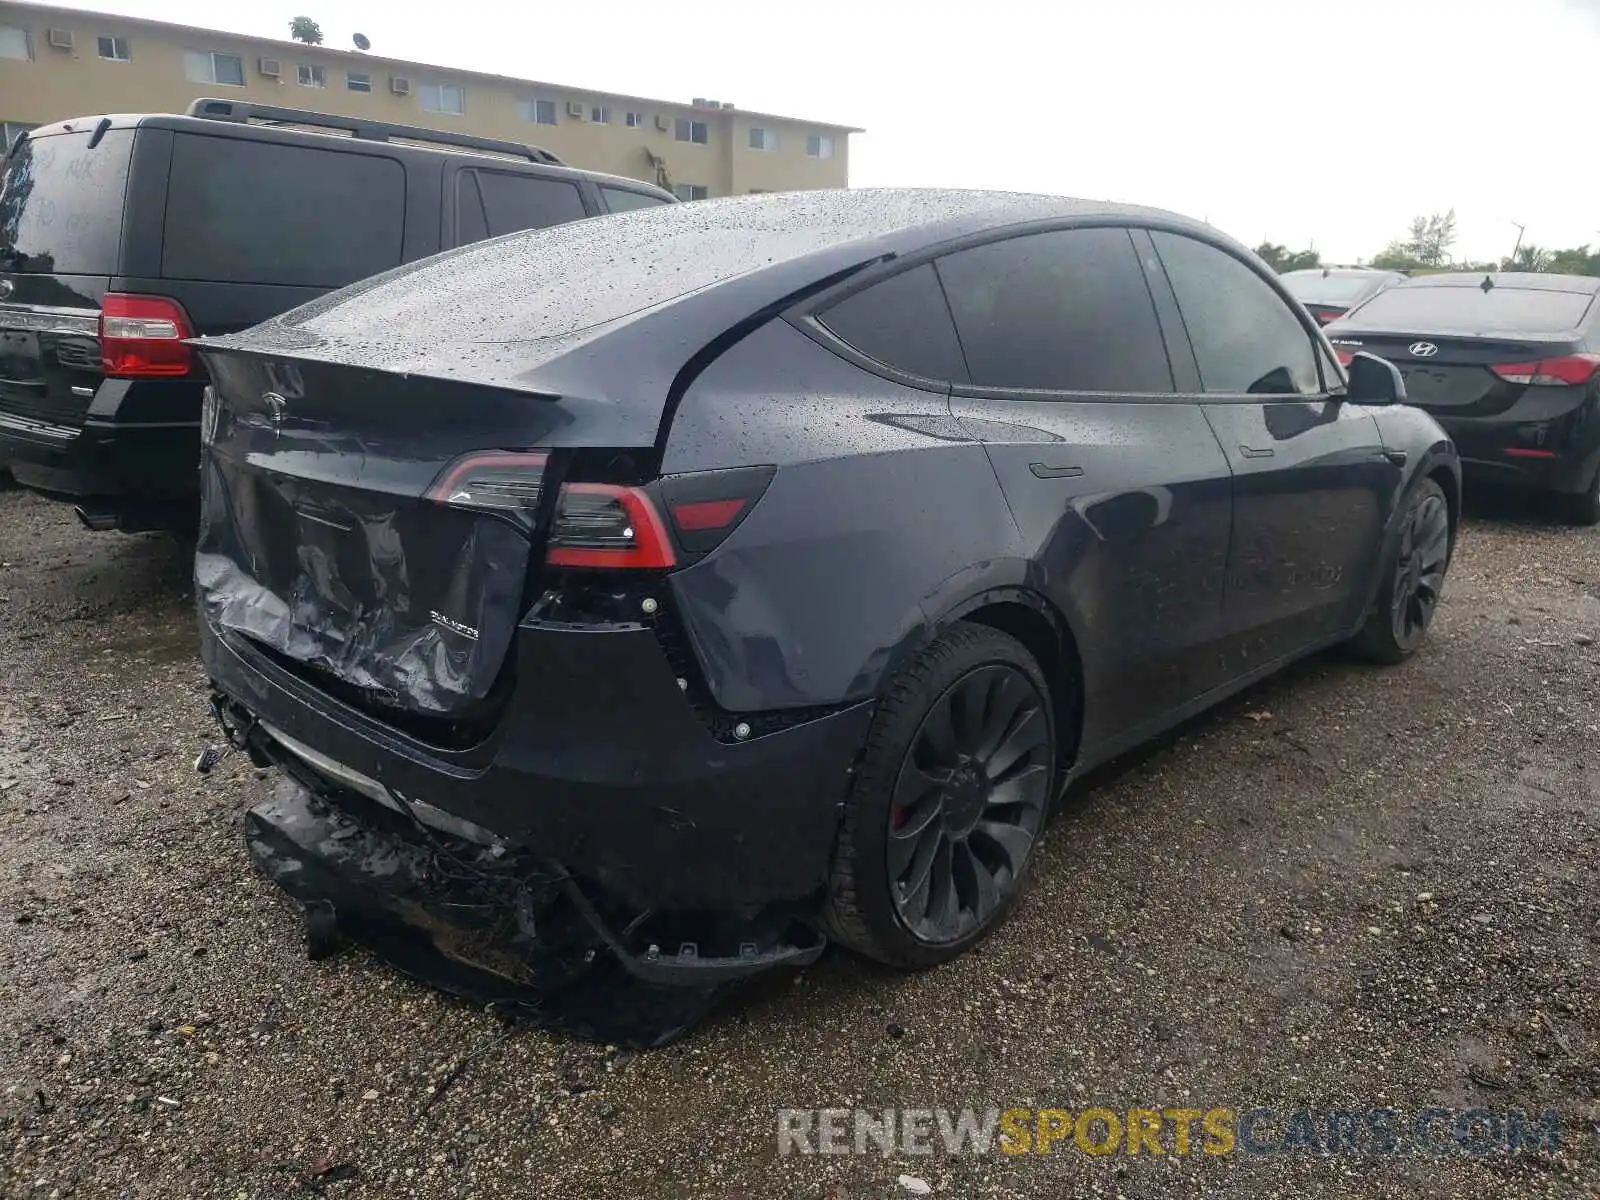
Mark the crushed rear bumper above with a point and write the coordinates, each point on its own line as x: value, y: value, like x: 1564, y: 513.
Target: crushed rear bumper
x: 500, y: 926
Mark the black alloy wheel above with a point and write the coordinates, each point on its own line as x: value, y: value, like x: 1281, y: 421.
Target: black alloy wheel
x: 1414, y: 560
x: 947, y: 803
x: 969, y: 803
x: 1419, y: 575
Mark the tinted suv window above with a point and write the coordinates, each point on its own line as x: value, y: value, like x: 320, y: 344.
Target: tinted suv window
x: 623, y: 200
x: 61, y: 204
x: 903, y: 322
x: 490, y: 203
x: 1067, y: 311
x: 1246, y: 338
x: 256, y: 212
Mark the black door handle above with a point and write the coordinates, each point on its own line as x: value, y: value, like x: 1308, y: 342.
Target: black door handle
x: 1397, y: 457
x: 1046, y: 471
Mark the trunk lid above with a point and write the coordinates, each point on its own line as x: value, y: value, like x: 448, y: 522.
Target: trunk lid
x: 1451, y: 375
x: 61, y: 210
x: 319, y: 544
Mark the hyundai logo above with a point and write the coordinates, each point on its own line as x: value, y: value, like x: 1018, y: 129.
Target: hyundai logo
x: 1423, y: 349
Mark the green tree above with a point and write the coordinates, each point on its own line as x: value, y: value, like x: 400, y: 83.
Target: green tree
x: 1281, y: 258
x: 1580, y: 260
x: 1426, y: 244
x: 1529, y: 258
x: 304, y: 29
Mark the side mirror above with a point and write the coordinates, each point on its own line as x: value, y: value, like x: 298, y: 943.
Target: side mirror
x: 1374, y: 380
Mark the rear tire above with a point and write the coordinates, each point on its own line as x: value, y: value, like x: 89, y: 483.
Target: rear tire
x: 948, y: 801
x: 1416, y: 556
x: 1584, y: 509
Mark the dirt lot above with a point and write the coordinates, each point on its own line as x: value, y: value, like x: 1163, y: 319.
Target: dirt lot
x: 1349, y: 888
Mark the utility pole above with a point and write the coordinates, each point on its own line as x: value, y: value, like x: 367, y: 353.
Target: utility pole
x: 1521, y: 229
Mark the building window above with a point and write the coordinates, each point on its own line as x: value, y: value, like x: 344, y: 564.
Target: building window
x: 763, y: 139
x: 14, y: 42
x: 690, y: 131
x: 114, y: 48
x: 357, y: 82
x: 819, y: 145
x: 689, y: 191
x: 311, y: 75
x: 444, y: 98
x: 600, y: 114
x: 635, y: 120
x: 207, y: 66
x: 537, y: 112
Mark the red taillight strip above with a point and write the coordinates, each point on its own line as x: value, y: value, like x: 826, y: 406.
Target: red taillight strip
x: 653, y: 545
x: 1569, y: 370
x: 1525, y: 452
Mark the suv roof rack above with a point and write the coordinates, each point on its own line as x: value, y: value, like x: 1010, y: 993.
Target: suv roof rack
x: 369, y: 131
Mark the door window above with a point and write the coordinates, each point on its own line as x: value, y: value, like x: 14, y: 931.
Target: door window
x: 1246, y: 338
x: 1061, y: 311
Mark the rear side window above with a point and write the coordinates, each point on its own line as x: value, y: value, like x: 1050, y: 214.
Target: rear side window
x: 1470, y: 309
x: 902, y: 322
x: 622, y: 200
x: 489, y: 203
x: 61, y: 204
x: 1064, y: 311
x: 254, y: 212
x: 1245, y: 336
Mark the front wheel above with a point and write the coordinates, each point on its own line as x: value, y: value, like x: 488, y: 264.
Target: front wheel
x: 948, y: 801
x: 1416, y: 555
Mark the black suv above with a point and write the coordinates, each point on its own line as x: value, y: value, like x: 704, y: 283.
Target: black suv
x: 123, y: 236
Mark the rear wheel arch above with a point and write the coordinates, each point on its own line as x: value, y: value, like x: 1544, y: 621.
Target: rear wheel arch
x: 1048, y: 637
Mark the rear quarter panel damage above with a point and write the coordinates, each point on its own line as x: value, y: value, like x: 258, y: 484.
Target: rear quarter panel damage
x: 879, y: 502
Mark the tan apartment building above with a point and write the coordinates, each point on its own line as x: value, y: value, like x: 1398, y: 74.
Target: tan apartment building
x: 57, y: 63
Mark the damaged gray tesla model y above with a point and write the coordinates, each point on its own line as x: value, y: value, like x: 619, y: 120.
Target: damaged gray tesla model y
x: 634, y: 605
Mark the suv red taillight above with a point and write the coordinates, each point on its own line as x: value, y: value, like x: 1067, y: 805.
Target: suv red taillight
x: 608, y: 525
x: 1567, y: 371
x: 142, y: 337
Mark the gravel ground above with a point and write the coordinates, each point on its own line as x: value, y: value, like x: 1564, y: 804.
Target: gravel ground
x: 1348, y: 888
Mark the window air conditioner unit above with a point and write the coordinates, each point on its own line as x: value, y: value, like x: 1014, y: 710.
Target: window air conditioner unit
x: 270, y: 67
x: 574, y: 109
x: 663, y: 124
x: 61, y: 39
x: 400, y: 85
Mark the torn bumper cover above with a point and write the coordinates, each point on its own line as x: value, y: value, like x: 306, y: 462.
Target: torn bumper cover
x: 600, y: 861
x: 498, y: 925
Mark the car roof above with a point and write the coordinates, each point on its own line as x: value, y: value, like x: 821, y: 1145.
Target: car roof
x: 258, y: 131
x: 615, y: 306
x: 1534, y: 281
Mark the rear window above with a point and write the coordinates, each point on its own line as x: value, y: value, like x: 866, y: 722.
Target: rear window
x: 1318, y: 288
x: 902, y: 322
x: 254, y: 212
x: 623, y: 200
x: 61, y: 203
x: 489, y: 203
x: 1458, y: 309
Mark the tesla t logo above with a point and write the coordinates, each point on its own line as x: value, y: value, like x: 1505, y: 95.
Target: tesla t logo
x: 1423, y: 349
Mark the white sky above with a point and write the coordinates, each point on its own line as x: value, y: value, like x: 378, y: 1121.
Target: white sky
x: 1333, y: 121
